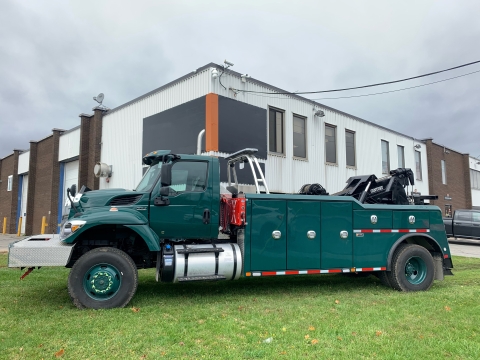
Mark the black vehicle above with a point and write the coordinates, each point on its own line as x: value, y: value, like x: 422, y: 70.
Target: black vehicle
x: 464, y: 224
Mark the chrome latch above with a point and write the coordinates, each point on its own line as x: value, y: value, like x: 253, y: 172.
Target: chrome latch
x: 343, y: 234
x: 411, y: 219
x: 373, y: 219
x: 276, y: 234
x: 311, y: 234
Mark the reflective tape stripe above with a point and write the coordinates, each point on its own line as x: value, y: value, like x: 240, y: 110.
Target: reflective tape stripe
x: 365, y: 231
x: 310, y: 272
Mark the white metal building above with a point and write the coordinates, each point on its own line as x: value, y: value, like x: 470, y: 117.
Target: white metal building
x: 123, y: 128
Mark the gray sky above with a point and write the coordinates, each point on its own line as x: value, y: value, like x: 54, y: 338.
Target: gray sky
x: 56, y: 55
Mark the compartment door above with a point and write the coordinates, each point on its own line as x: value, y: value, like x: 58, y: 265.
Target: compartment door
x: 268, y: 253
x: 336, y: 251
x: 303, y: 235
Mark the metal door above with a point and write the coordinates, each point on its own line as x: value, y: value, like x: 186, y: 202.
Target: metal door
x: 268, y: 235
x: 303, y: 235
x: 337, y: 237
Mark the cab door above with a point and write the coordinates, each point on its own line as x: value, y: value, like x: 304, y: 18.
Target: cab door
x: 187, y: 215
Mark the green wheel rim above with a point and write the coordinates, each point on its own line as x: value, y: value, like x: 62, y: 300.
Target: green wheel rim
x: 102, y: 281
x: 415, y: 270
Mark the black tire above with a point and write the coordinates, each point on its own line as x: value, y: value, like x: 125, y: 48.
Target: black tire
x: 103, y: 278
x: 412, y: 268
x: 384, y: 278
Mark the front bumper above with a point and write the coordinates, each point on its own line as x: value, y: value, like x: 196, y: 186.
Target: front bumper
x: 39, y: 250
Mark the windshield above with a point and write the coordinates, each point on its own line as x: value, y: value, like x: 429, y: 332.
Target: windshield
x: 149, y: 178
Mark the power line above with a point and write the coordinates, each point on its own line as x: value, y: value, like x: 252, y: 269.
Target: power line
x: 379, y: 93
x: 386, y: 92
x: 359, y: 87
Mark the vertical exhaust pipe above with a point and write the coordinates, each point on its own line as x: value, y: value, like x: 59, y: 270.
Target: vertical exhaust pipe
x: 199, y: 141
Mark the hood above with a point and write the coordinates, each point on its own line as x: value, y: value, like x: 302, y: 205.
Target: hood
x: 110, y: 197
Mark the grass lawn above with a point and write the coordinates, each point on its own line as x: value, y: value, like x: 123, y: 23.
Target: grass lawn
x: 311, y: 317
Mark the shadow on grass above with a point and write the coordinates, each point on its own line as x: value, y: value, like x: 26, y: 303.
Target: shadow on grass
x: 285, y: 286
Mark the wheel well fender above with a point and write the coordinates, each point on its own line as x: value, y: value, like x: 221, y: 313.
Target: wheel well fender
x: 426, y: 241
x: 148, y: 235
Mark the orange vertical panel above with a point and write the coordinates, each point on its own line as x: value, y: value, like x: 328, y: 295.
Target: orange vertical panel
x: 211, y: 122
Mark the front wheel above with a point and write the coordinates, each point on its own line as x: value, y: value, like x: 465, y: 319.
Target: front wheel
x: 412, y: 268
x: 103, y: 278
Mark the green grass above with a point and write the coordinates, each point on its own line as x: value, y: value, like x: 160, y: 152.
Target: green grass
x: 307, y: 317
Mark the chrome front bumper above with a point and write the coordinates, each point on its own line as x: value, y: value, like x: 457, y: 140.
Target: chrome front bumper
x: 39, y: 250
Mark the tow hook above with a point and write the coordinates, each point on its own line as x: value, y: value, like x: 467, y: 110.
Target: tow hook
x: 26, y: 273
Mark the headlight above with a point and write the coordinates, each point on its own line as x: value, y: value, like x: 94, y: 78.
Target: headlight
x: 70, y: 227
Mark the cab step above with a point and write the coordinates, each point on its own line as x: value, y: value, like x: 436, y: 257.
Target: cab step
x: 201, y: 278
x: 199, y: 250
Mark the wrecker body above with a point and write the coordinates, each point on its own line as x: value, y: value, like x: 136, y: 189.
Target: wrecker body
x: 183, y: 222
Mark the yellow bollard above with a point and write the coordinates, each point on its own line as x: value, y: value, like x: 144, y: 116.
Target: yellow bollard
x: 4, y: 225
x: 44, y: 224
x: 19, y: 226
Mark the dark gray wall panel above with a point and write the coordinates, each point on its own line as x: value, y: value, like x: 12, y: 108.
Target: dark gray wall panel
x: 175, y: 129
x: 241, y: 126
x: 244, y: 175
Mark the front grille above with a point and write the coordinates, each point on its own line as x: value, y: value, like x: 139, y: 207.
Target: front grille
x: 125, y: 200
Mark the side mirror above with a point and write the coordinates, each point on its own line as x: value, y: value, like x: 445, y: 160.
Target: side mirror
x: 72, y: 190
x: 164, y: 191
x: 166, y: 175
x: 163, y: 199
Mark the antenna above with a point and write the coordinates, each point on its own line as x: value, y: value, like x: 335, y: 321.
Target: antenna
x: 99, y: 98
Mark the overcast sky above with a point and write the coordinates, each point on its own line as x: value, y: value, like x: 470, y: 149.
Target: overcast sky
x: 56, y: 55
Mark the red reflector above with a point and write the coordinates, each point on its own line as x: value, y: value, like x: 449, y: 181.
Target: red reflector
x: 445, y: 256
x: 269, y: 273
x: 335, y: 271
x: 367, y: 230
x: 313, y: 271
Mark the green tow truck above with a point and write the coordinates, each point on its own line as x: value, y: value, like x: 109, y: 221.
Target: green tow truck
x: 182, y: 221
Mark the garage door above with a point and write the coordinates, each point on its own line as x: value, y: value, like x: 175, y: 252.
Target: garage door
x: 23, y: 205
x: 70, y: 177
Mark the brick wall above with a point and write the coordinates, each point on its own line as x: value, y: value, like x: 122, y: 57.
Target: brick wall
x: 42, y: 197
x: 90, y: 148
x: 8, y: 199
x: 457, y: 186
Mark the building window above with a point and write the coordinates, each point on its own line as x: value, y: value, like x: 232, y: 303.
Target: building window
x: 448, y: 210
x: 299, y: 136
x: 330, y: 144
x: 275, y: 131
x: 444, y: 172
x: 401, y: 156
x: 350, y: 147
x: 385, y: 158
x: 418, y: 165
x: 9, y: 182
x: 475, y: 179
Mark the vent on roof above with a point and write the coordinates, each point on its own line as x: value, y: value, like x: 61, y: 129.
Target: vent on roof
x: 125, y: 200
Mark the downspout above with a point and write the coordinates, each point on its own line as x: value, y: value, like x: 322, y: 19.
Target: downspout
x: 199, y: 141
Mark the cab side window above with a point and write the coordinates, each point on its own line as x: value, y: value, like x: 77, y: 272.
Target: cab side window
x: 464, y: 216
x: 189, y: 176
x: 476, y: 217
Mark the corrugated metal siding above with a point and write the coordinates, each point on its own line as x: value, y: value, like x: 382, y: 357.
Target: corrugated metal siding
x: 23, y: 162
x: 122, y: 129
x: 69, y: 145
x: 475, y: 193
x: 288, y: 174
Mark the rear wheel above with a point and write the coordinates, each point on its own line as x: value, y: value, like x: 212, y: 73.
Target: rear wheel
x: 103, y: 278
x: 412, y: 268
